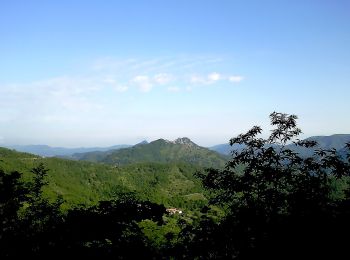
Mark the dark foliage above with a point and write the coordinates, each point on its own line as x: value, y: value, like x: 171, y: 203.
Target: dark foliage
x: 110, y: 229
x: 31, y: 226
x: 280, y: 205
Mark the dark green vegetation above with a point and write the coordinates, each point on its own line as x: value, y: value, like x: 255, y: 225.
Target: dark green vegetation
x: 78, y: 182
x: 74, y: 195
x: 161, y: 151
x: 280, y: 204
x: 267, y: 202
x: 31, y: 226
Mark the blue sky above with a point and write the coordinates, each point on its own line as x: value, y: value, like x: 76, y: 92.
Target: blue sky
x: 83, y: 73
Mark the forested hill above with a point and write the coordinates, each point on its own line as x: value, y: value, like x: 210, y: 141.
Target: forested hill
x: 80, y: 182
x: 159, y: 151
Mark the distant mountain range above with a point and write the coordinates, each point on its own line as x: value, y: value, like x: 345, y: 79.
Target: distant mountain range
x: 48, y: 151
x: 170, y: 163
x: 160, y: 151
x: 226, y: 148
x: 333, y: 141
x: 105, y: 154
x: 336, y: 141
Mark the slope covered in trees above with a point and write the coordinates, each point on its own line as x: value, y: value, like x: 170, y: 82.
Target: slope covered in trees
x: 80, y: 182
x: 32, y: 226
x: 160, y: 151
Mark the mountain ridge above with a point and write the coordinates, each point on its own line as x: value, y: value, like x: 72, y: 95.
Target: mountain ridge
x: 51, y: 151
x: 160, y: 151
x: 336, y: 141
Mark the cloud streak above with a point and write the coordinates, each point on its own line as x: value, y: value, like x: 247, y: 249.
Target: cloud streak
x: 212, y: 78
x: 147, y: 75
x: 235, y: 79
x: 163, y: 78
x: 143, y: 83
x: 108, y: 80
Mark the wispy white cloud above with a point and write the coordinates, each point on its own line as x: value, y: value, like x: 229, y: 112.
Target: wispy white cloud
x: 146, y: 74
x: 90, y: 102
x: 163, y: 78
x: 205, y: 80
x: 176, y: 63
x: 214, y: 77
x: 235, y: 79
x: 106, y: 81
x: 58, y: 95
x: 146, y: 83
x: 143, y: 82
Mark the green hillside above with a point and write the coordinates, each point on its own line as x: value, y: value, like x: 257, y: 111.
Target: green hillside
x: 80, y: 182
x: 160, y: 151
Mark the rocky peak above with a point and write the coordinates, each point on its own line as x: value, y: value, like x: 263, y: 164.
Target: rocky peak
x: 185, y: 141
x: 162, y: 141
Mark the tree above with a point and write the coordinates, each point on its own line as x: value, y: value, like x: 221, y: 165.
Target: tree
x: 28, y: 220
x: 109, y: 229
x: 280, y: 203
x: 12, y: 196
x: 31, y: 225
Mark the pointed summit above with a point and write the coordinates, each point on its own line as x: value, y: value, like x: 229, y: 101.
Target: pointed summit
x: 185, y: 141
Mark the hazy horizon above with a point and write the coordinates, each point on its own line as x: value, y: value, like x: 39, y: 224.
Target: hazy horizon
x: 302, y: 136
x: 92, y: 73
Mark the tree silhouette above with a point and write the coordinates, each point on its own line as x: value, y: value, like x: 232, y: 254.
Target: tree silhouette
x: 110, y: 230
x: 280, y: 204
x: 12, y: 196
x: 31, y: 225
x: 28, y: 220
